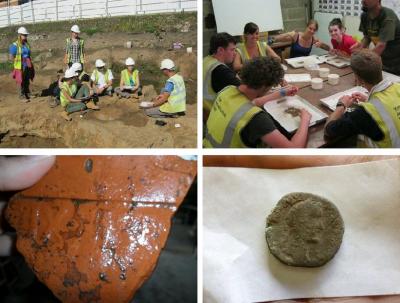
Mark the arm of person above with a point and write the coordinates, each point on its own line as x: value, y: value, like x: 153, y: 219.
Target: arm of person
x: 359, y: 45
x: 12, y: 52
x: 271, y: 53
x: 121, y: 84
x: 379, y: 48
x: 110, y: 81
x: 291, y: 90
x: 318, y: 43
x: 386, y: 33
x: 276, y: 140
x: 137, y: 84
x: 161, y: 99
x: 83, y: 52
x: 286, y: 37
x: 343, y: 131
x: 69, y: 98
x: 237, y: 62
x: 221, y: 77
x: 341, y: 53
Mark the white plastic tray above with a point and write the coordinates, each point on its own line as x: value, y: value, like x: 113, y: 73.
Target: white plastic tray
x: 331, y: 101
x: 276, y: 109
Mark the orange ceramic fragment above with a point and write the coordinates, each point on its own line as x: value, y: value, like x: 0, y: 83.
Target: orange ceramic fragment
x: 92, y: 229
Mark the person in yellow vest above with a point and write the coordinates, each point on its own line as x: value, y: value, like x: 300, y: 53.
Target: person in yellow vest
x: 20, y: 55
x: 72, y: 99
x: 82, y: 80
x: 172, y: 100
x: 252, y: 47
x: 130, y: 83
x: 102, y: 79
x: 216, y: 71
x: 75, y: 48
x: 376, y: 121
x: 236, y: 122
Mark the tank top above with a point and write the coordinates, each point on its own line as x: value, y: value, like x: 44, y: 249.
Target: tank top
x: 296, y: 50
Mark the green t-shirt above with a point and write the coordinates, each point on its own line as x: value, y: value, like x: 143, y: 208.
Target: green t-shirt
x: 384, y: 28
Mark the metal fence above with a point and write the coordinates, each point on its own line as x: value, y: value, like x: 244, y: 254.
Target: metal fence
x: 57, y: 10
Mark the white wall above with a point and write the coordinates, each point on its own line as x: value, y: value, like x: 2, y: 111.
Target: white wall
x: 232, y: 15
x: 54, y: 10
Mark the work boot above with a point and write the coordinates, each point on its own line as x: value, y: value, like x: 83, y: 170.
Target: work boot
x: 65, y: 115
x: 91, y: 105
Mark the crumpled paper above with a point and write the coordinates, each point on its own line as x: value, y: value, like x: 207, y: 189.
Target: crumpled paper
x: 237, y: 265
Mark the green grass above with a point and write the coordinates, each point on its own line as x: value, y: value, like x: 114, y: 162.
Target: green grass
x: 132, y: 24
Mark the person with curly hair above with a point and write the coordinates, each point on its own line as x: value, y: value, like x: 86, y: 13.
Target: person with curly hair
x: 236, y: 121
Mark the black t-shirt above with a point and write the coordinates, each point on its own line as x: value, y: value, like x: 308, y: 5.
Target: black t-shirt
x: 260, y: 125
x: 354, y: 123
x: 222, y: 76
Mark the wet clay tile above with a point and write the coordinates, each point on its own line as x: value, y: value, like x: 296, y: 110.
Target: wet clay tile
x: 93, y: 228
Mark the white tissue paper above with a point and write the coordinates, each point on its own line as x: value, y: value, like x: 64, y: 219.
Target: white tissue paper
x: 237, y: 265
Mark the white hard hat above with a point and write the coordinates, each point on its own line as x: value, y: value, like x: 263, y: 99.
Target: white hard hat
x: 76, y: 66
x: 167, y: 64
x: 75, y: 29
x: 69, y: 73
x: 129, y: 61
x: 100, y: 63
x: 22, y: 31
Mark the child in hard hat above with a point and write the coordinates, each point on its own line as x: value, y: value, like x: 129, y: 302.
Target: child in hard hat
x: 129, y: 85
x: 74, y: 50
x: 102, y: 79
x: 72, y: 99
x: 20, y: 55
x: 172, y: 100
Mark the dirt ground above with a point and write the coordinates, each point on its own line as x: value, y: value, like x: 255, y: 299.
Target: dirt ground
x: 120, y: 122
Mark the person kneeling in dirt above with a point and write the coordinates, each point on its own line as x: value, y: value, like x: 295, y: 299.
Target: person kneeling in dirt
x: 102, y: 79
x: 129, y: 86
x: 172, y: 100
x: 82, y: 81
x: 72, y: 99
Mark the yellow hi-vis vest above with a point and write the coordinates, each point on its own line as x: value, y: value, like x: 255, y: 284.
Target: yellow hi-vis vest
x: 127, y: 78
x: 96, y: 76
x: 244, y: 54
x: 18, y: 56
x: 69, y: 90
x: 384, y: 107
x: 177, y: 99
x: 209, y: 95
x: 81, y: 44
x: 231, y: 112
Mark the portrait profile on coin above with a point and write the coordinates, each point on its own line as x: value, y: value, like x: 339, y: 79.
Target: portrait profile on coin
x: 304, y: 230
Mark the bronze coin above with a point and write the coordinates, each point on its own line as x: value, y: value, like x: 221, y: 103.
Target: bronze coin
x: 304, y: 230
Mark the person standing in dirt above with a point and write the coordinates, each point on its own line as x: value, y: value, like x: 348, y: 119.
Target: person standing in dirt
x: 20, y: 55
x: 129, y: 86
x: 72, y: 99
x: 172, y: 100
x: 74, y: 50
